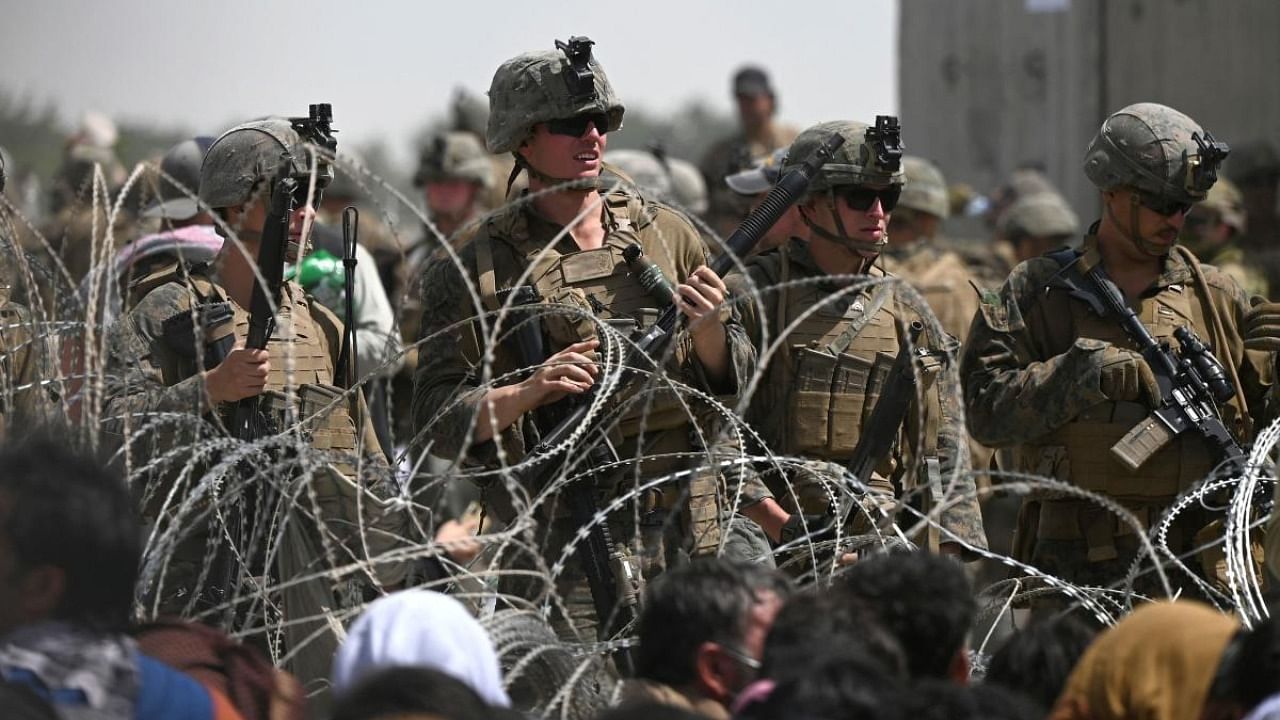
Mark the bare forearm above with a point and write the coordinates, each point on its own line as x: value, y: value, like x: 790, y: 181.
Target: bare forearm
x: 499, y: 409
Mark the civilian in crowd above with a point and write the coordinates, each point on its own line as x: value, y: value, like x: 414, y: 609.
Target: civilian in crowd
x: 702, y: 632
x: 70, y: 545
x: 423, y: 629
x: 925, y: 601
x: 1037, y: 660
x: 1157, y: 663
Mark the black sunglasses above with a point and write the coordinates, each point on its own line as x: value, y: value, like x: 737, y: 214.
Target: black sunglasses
x: 1163, y: 206
x: 576, y: 126
x: 862, y: 198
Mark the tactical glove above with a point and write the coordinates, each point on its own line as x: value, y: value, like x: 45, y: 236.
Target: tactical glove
x: 1126, y: 377
x: 1262, y: 326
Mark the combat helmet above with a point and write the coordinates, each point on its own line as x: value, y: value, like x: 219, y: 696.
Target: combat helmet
x: 454, y: 156
x: 926, y: 188
x: 1157, y: 151
x: 245, y: 158
x: 870, y: 155
x: 544, y: 85
x: 1225, y: 199
x: 1044, y: 214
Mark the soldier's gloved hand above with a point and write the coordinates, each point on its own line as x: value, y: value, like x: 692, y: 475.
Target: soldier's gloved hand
x: 1126, y: 377
x: 815, y: 528
x: 1262, y: 325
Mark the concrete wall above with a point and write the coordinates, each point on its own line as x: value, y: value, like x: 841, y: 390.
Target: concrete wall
x: 989, y: 84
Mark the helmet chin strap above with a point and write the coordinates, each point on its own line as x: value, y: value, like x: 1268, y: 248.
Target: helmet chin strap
x: 1132, y: 233
x: 841, y: 236
x: 592, y: 183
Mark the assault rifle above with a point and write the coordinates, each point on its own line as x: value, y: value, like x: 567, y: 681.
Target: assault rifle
x: 881, y: 429
x: 1192, y: 383
x: 614, y: 584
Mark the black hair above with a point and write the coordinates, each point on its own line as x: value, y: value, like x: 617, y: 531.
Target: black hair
x: 816, y: 618
x: 933, y: 699
x: 66, y: 509
x: 837, y: 682
x: 707, y: 600
x: 1249, y: 670
x: 923, y: 599
x: 402, y: 690
x: 1037, y: 660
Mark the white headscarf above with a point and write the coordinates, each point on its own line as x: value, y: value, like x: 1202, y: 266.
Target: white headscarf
x: 420, y: 628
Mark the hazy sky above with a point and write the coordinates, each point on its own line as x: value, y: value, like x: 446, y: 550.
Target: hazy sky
x: 387, y: 67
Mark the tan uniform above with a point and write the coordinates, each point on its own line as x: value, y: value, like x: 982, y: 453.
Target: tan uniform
x: 823, y: 381
x: 1234, y: 262
x: 1031, y: 370
x: 726, y: 208
x: 652, y: 424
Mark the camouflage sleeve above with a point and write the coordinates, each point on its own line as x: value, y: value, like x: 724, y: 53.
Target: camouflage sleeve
x: 1011, y: 395
x: 135, y: 385
x: 447, y: 381
x: 744, y: 484
x: 961, y: 514
x: 744, y: 303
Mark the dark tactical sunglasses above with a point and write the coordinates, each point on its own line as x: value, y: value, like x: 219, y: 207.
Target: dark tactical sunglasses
x: 576, y: 126
x: 1163, y: 206
x: 862, y: 198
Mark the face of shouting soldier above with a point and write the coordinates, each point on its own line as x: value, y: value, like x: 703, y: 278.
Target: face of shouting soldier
x: 569, y: 149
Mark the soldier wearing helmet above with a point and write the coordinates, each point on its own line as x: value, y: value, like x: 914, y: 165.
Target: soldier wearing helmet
x: 1037, y: 224
x: 916, y: 251
x: 836, y: 317
x: 1060, y: 384
x: 455, y: 174
x: 553, y: 111
x: 1213, y: 232
x: 180, y: 351
x: 754, y: 184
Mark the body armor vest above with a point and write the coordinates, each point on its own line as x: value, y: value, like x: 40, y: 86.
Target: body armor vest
x: 836, y: 363
x: 299, y: 384
x: 592, y: 283
x: 599, y: 284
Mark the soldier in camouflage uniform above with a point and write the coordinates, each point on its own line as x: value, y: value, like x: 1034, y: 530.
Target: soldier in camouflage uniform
x: 915, y: 254
x: 1061, y: 385
x: 836, y: 345
x: 754, y: 184
x: 158, y: 366
x: 1037, y: 224
x: 1213, y: 230
x: 758, y: 135
x: 552, y: 110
